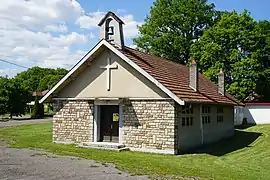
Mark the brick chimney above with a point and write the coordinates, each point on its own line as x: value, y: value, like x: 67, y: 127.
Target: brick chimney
x: 193, y: 76
x: 221, y: 83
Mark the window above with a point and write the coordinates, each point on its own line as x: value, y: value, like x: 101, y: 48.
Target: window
x: 206, y: 110
x: 187, y: 121
x: 220, y: 119
x: 206, y: 119
x: 183, y: 121
x: 219, y: 109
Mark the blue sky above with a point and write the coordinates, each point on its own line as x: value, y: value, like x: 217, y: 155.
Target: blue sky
x: 57, y: 33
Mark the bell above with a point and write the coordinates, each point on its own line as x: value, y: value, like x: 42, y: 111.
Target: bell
x: 110, y: 30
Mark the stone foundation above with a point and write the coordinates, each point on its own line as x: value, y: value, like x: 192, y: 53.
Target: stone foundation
x: 149, y: 125
x: 73, y: 123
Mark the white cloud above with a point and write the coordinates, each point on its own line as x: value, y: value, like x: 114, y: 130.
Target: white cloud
x: 131, y: 26
x: 56, y: 28
x: 90, y: 20
x: 8, y: 71
x: 43, y: 32
x: 27, y: 33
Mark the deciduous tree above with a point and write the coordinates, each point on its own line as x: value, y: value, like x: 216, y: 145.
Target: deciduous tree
x: 173, y: 26
x: 237, y: 44
x: 13, y: 97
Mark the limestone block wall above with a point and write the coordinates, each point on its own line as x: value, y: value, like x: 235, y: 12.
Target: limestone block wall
x: 150, y: 125
x: 73, y: 122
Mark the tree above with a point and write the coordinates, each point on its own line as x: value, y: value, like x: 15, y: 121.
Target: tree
x: 263, y: 85
x: 173, y: 26
x: 13, y: 97
x: 40, y: 79
x: 38, y: 110
x: 236, y: 43
x: 3, y: 95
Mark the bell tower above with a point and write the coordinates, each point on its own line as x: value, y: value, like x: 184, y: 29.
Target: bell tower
x: 111, y: 29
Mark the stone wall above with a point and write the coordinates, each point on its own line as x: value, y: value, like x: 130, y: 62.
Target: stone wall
x: 73, y: 122
x: 150, y: 125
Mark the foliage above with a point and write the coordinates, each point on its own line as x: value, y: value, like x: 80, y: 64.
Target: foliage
x: 236, y: 44
x: 263, y: 84
x: 173, y: 26
x: 13, y: 97
x: 181, y: 30
x: 38, y: 109
x: 40, y: 79
x: 247, y: 161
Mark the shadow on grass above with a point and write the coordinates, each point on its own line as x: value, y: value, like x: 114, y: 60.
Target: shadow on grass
x: 244, y: 126
x: 240, y: 140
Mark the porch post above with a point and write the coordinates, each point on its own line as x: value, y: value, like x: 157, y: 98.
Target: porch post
x: 121, y: 120
x: 96, y: 123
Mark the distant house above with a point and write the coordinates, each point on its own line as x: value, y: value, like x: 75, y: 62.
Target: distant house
x: 119, y: 95
x: 39, y: 93
x: 257, y: 112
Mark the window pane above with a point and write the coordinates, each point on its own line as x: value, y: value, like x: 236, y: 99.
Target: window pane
x: 183, y: 121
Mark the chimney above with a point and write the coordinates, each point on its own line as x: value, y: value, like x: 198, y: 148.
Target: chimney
x: 193, y: 76
x: 221, y: 82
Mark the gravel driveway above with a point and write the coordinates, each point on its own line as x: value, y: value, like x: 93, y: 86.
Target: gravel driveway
x: 27, y: 164
x: 22, y: 121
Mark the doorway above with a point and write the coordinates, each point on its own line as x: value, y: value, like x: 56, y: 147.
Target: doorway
x: 109, y: 123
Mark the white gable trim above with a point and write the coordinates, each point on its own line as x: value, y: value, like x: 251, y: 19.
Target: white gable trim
x: 126, y: 59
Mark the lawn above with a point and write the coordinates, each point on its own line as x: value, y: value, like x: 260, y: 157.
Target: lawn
x: 245, y: 156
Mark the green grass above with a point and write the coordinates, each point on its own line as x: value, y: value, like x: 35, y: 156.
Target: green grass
x: 245, y: 156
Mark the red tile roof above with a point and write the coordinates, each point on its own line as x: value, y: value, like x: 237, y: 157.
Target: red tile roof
x: 175, y: 77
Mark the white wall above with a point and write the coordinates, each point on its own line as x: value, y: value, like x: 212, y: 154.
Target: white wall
x: 259, y: 114
x: 125, y: 81
x: 238, y: 115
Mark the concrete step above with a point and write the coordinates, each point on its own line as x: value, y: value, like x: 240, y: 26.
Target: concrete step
x: 102, y: 145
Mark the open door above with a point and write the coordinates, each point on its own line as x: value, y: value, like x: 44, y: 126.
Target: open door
x: 109, y: 123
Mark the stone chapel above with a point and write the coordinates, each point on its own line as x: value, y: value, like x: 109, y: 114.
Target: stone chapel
x: 120, y: 97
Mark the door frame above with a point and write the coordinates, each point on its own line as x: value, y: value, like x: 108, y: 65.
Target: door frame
x: 96, y: 123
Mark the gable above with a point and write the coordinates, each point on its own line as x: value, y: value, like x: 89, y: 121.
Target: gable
x: 125, y: 81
